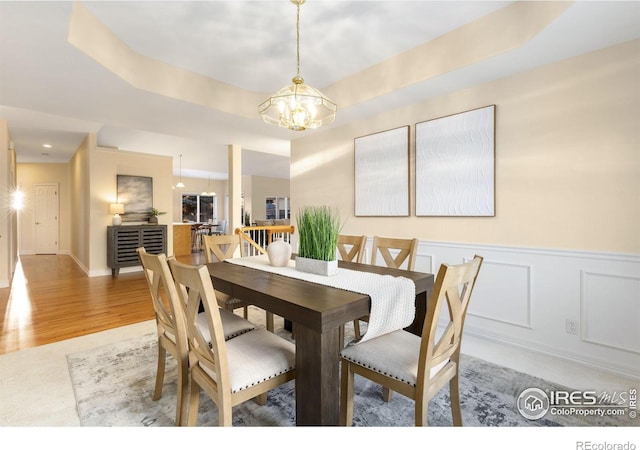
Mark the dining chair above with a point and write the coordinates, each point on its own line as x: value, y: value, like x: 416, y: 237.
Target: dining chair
x: 225, y: 246
x: 352, y: 248
x: 196, y: 237
x: 230, y: 372
x: 417, y: 367
x: 171, y: 325
x: 221, y: 228
x: 404, y: 249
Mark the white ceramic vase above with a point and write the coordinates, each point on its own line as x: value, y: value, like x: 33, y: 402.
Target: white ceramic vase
x: 279, y: 253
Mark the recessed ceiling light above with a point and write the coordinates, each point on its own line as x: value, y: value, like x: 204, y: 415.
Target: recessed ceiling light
x: 46, y: 145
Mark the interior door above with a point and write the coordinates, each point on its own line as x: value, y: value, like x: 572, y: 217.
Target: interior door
x: 46, y: 210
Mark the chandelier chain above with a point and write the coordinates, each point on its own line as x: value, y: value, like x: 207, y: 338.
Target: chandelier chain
x: 298, y: 37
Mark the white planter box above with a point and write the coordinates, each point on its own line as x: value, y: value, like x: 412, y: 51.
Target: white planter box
x: 319, y: 267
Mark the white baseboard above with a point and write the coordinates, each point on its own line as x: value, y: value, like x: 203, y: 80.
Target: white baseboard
x: 104, y: 272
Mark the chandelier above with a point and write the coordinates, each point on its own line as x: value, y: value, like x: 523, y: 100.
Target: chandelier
x: 298, y: 106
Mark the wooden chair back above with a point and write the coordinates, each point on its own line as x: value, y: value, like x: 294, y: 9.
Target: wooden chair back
x: 170, y: 322
x: 225, y: 246
x: 194, y: 288
x: 352, y: 248
x: 404, y: 249
x: 166, y: 306
x: 453, y: 288
x: 221, y: 247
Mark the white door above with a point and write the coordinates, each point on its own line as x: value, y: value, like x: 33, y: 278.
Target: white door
x: 46, y: 218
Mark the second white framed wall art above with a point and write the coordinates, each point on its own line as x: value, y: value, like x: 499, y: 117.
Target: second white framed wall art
x: 455, y: 165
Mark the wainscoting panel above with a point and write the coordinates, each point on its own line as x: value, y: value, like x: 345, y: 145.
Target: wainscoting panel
x: 424, y: 263
x: 503, y: 293
x: 612, y: 297
x: 528, y: 297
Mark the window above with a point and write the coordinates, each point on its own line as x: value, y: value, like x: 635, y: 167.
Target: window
x: 198, y: 208
x: 277, y: 208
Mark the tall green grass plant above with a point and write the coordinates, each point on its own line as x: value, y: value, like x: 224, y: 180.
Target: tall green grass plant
x: 318, y: 229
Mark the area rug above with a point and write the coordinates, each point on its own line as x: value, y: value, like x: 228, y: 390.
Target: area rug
x: 113, y: 386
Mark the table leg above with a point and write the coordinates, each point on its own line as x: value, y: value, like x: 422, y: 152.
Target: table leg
x: 317, y: 377
x: 421, y: 312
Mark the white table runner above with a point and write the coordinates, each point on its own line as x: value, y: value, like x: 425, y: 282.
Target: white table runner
x: 392, y: 298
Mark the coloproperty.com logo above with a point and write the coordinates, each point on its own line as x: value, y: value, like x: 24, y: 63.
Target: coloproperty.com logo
x: 534, y: 403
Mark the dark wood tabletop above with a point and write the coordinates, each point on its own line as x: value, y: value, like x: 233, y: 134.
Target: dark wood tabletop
x: 317, y: 313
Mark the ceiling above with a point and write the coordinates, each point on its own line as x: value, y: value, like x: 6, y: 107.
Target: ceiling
x: 52, y: 92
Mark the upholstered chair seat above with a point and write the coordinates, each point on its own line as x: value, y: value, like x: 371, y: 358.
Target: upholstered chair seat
x: 394, y: 355
x: 255, y: 357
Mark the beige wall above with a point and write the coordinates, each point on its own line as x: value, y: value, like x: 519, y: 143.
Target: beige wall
x: 8, y: 217
x: 105, y: 164
x: 30, y: 174
x: 80, y: 209
x: 567, y: 159
x: 263, y: 187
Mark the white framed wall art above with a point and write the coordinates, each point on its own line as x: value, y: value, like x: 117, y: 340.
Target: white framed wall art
x: 382, y: 173
x: 455, y: 165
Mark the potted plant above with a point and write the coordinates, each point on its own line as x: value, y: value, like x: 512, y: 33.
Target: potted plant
x: 154, y: 213
x: 318, y: 229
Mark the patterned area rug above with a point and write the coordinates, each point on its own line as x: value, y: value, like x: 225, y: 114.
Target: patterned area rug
x: 113, y: 386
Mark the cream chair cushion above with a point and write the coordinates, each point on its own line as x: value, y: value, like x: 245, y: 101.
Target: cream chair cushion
x: 394, y: 355
x: 232, y: 325
x: 257, y: 356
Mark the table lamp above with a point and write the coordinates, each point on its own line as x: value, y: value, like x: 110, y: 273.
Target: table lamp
x: 116, y: 209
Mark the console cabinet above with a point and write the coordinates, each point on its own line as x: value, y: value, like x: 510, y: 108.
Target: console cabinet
x: 123, y: 241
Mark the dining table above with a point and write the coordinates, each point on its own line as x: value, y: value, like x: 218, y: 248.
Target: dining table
x: 318, y: 313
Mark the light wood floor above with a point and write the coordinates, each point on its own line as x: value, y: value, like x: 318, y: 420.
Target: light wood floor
x: 51, y: 299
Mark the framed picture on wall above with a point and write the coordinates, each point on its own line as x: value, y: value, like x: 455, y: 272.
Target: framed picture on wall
x: 382, y: 173
x: 136, y: 193
x: 455, y: 165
